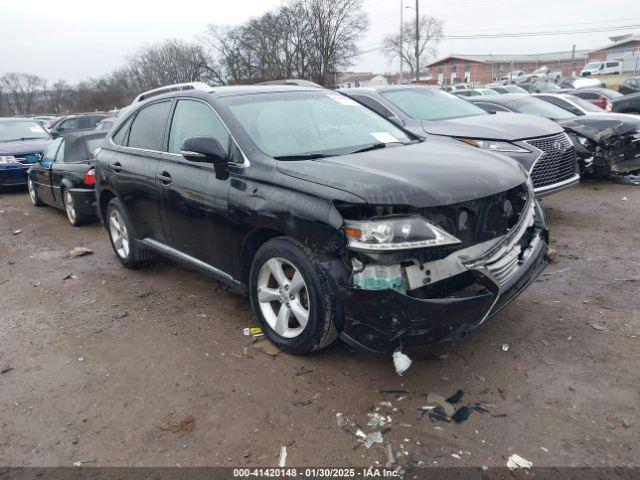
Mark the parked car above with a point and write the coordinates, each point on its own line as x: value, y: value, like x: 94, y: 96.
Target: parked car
x: 64, y: 176
x: 598, y: 96
x: 571, y: 103
x: 509, y: 89
x: 328, y: 215
x: 515, y: 76
x: 527, y: 139
x: 610, y: 67
x: 606, y: 145
x: 106, y: 123
x: 585, y: 82
x: 539, y: 87
x: 291, y: 81
x: 21, y: 141
x: 75, y: 123
x: 626, y: 104
x: 630, y: 85
x: 473, y: 92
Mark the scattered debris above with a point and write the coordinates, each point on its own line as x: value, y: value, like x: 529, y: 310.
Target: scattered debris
x: 6, y: 370
x: 394, y: 392
x: 401, y: 362
x: 461, y: 414
x: 36, y: 284
x: 302, y: 403
x: 391, y: 457
x: 17, y: 232
x: 252, y: 332
x: 456, y: 397
x: 516, y: 461
x: 369, y: 440
x: 302, y: 371
x: 185, y: 425
x: 544, y: 450
x: 505, y: 347
x: 80, y: 462
x: 437, y: 399
x: 283, y: 456
x: 81, y: 251
x: 624, y: 199
x: 556, y: 272
x: 70, y: 276
x: 600, y: 328
x: 455, y: 455
x: 81, y: 359
x: 265, y: 346
x: 552, y: 254
x: 121, y: 315
x: 378, y: 421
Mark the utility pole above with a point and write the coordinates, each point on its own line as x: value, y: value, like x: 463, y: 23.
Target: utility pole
x: 417, y: 43
x: 401, y: 37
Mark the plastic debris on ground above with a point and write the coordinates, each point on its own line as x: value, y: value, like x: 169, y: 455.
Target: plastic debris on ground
x: 349, y: 426
x: 627, y: 179
x: 401, y: 362
x: 461, y: 414
x: 516, y: 461
x: 252, y: 332
x: 17, y: 232
x: 600, y: 328
x: 81, y: 251
x: 265, y: 346
x: 369, y: 440
x: 283, y: 456
x: 391, y: 457
x: 456, y: 397
x: 440, y: 401
x: 505, y: 347
x: 378, y: 421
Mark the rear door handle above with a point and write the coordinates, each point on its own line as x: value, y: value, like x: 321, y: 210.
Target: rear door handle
x: 117, y: 167
x: 164, y: 178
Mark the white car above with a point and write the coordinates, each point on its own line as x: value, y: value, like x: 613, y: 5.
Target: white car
x: 601, y: 68
x: 586, y: 83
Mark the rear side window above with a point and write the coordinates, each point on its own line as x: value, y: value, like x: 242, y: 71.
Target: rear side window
x: 85, y: 122
x: 121, y: 135
x: 147, y: 129
x: 195, y: 119
x: 588, y: 95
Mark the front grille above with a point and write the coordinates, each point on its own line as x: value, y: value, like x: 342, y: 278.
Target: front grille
x: 557, y: 161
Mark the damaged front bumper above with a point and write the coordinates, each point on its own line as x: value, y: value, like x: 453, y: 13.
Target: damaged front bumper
x: 460, y: 292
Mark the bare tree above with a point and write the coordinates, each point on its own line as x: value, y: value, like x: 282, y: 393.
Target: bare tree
x: 21, y: 91
x: 57, y: 97
x: 167, y: 62
x: 431, y: 32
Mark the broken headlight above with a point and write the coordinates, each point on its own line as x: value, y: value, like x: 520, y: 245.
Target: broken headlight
x: 396, y: 233
x: 494, y: 146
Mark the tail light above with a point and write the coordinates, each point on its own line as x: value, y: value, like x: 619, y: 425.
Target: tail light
x: 609, y: 106
x: 90, y: 178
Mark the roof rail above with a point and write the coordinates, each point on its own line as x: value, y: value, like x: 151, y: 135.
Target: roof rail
x: 172, y: 88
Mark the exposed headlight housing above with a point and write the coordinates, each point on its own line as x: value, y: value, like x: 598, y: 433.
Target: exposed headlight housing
x: 8, y: 159
x: 494, y: 146
x: 396, y: 233
x: 584, y: 141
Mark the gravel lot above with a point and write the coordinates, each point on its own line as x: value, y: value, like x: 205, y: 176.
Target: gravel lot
x: 150, y: 367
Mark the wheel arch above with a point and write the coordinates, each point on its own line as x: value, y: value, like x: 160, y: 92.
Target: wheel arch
x: 103, y: 201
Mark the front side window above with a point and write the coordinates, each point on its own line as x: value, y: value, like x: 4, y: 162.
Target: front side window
x: 425, y: 103
x: 19, y: 130
x: 592, y: 66
x: 70, y: 124
x: 311, y: 123
x: 195, y: 119
x: 60, y: 154
x: 49, y: 154
x: 147, y: 129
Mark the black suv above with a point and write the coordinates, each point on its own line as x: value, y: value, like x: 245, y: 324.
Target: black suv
x: 335, y: 221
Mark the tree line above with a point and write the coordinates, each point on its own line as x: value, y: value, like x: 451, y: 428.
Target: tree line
x: 307, y: 39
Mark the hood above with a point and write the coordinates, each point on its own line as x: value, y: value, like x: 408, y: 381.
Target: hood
x: 428, y: 174
x: 600, y: 126
x: 27, y: 146
x: 509, y: 127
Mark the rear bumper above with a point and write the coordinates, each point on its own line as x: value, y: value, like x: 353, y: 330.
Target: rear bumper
x: 85, y: 201
x: 13, y: 175
x: 382, y: 320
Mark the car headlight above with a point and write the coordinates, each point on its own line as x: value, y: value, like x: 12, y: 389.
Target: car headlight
x: 6, y: 159
x: 494, y: 146
x: 396, y: 233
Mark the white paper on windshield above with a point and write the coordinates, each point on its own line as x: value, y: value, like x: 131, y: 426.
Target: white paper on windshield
x: 384, y: 137
x: 36, y: 129
x: 341, y: 99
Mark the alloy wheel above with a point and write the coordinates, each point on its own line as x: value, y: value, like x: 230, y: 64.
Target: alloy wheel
x: 119, y: 234
x: 32, y: 192
x: 283, y: 297
x: 70, y: 207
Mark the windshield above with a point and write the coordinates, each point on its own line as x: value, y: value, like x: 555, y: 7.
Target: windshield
x: 547, y: 87
x: 292, y: 124
x: 586, y: 105
x: 424, y: 103
x: 535, y: 106
x: 20, y: 130
x: 515, y: 89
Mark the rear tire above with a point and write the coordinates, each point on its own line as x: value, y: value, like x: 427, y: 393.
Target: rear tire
x: 292, y: 296
x: 121, y: 234
x: 71, y: 210
x: 33, y: 194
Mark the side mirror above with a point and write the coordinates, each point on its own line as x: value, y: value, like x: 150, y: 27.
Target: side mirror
x: 55, y: 133
x: 206, y: 150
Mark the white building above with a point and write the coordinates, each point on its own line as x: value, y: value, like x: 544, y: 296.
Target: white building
x: 360, y: 79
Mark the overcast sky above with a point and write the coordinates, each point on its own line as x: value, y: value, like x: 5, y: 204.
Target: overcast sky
x: 74, y: 39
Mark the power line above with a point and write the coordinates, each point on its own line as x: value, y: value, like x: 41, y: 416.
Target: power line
x: 540, y: 34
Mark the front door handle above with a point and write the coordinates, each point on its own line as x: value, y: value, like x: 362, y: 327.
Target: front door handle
x: 117, y: 167
x: 164, y: 178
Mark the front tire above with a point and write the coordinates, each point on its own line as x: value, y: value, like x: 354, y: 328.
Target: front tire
x: 33, y: 194
x: 128, y: 250
x: 293, y: 297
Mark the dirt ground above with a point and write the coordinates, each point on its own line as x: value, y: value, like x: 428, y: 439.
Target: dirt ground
x: 102, y: 364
